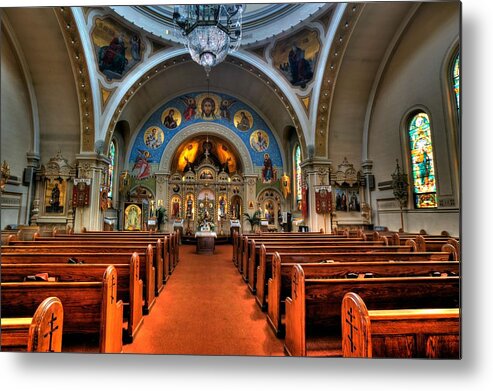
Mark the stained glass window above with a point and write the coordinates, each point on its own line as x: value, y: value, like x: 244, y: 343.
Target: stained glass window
x: 456, y: 81
x: 297, y: 173
x: 423, y: 165
x: 111, y: 168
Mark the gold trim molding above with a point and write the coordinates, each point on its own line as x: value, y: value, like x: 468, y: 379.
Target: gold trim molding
x: 341, y: 38
x: 79, y: 67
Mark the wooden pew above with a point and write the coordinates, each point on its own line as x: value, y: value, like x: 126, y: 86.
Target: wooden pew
x: 251, y: 258
x: 129, y: 285
x: 313, y: 311
x: 91, y: 255
x: 264, y: 269
x: 90, y: 308
x: 41, y: 333
x: 398, y: 333
x: 279, y: 286
x: 170, y: 253
x: 160, y: 256
x: 265, y: 250
x: 239, y: 244
x: 279, y: 237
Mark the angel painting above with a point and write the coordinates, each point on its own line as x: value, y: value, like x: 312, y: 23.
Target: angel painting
x: 191, y: 104
x: 224, y: 108
x: 142, y: 164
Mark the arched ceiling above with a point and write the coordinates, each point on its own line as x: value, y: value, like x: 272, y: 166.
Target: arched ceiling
x: 226, y: 77
x: 43, y: 46
x: 368, y: 50
x: 260, y: 21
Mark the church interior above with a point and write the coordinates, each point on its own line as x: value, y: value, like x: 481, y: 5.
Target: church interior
x: 319, y: 133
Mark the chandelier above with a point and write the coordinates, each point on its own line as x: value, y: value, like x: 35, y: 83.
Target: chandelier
x: 210, y: 31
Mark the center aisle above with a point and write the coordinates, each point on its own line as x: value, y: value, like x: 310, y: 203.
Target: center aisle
x: 206, y: 309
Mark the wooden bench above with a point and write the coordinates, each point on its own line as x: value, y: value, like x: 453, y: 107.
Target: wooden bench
x: 245, y: 241
x: 129, y: 285
x: 40, y: 333
x: 313, y: 311
x: 239, y: 239
x: 398, y: 333
x: 260, y: 253
x: 90, y: 308
x: 251, y: 255
x: 174, y: 239
x: 279, y: 286
x: 57, y: 254
x: 265, y: 268
x: 159, y: 255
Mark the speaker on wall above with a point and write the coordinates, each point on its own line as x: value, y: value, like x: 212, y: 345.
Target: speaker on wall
x: 28, y: 175
x: 371, y: 182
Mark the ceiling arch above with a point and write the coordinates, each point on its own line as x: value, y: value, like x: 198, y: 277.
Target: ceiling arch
x: 46, y: 55
x: 206, y: 129
x: 172, y: 73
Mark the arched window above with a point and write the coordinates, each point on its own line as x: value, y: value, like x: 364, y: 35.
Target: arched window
x: 456, y: 81
x: 297, y: 174
x: 111, y: 168
x: 423, y: 165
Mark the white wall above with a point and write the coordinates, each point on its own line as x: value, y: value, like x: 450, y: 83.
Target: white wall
x: 413, y: 78
x: 16, y: 133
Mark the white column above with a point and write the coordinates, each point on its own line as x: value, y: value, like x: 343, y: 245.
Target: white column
x: 162, y: 186
x: 316, y: 172
x: 91, y: 166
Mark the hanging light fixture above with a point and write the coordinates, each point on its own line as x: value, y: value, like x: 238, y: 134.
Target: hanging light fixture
x: 211, y: 31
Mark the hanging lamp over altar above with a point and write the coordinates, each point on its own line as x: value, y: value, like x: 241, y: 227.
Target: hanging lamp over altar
x: 209, y: 31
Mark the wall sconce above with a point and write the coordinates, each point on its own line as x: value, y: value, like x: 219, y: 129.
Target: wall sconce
x: 5, y: 171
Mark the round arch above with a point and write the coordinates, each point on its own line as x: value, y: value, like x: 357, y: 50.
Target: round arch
x: 206, y: 129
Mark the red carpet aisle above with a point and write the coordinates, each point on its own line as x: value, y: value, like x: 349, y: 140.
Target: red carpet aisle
x: 206, y: 309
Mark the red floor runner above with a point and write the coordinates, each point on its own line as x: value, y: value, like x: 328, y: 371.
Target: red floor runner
x: 206, y: 309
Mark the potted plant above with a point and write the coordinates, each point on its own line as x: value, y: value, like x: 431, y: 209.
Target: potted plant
x: 161, y: 217
x: 254, y: 219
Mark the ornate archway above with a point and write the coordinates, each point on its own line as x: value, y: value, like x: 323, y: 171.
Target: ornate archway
x: 202, y: 176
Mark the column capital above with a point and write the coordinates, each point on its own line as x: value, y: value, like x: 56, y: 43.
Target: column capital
x: 33, y: 159
x: 367, y: 166
x: 316, y: 164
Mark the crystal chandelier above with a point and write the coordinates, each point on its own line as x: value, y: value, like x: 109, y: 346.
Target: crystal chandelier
x: 210, y: 31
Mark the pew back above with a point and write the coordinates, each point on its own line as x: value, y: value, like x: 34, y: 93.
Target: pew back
x: 398, y: 333
x: 41, y: 333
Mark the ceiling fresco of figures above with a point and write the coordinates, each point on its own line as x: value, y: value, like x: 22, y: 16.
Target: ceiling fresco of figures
x: 117, y: 48
x: 296, y: 57
x: 169, y: 119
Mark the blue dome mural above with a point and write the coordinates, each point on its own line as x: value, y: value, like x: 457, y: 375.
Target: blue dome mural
x: 185, y: 110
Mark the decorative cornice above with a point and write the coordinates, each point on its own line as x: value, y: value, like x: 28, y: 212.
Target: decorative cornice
x: 80, y: 69
x: 348, y: 21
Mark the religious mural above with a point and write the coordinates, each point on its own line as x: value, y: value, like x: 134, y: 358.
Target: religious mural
x: 55, y: 196
x: 296, y: 57
x: 117, y: 48
x: 243, y: 120
x: 347, y: 200
x: 133, y: 217
x: 259, y: 141
x: 142, y: 165
x: 171, y: 118
x: 153, y: 137
x: 193, y: 108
